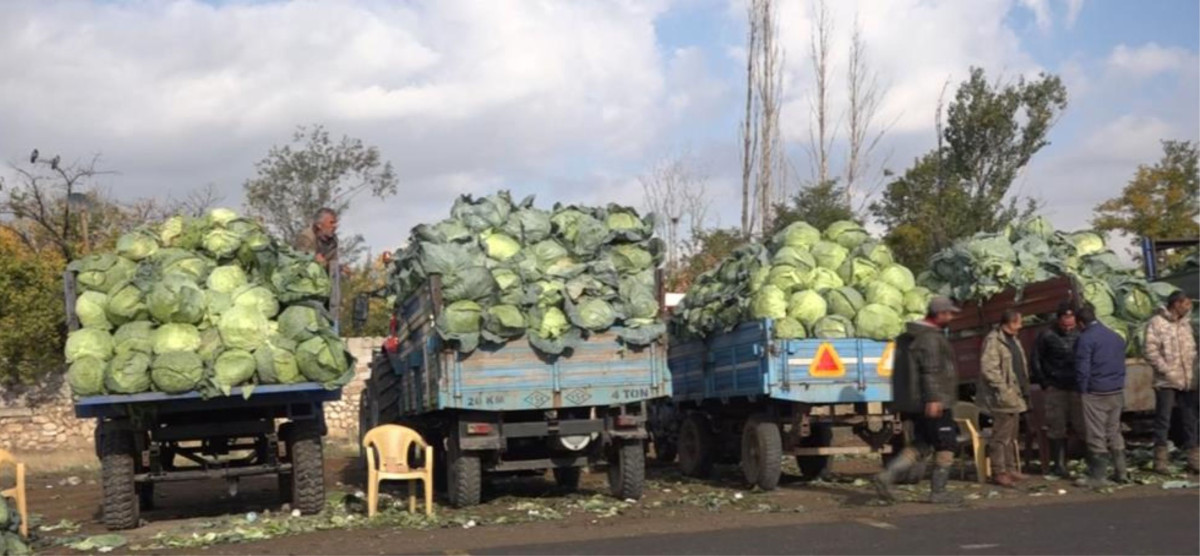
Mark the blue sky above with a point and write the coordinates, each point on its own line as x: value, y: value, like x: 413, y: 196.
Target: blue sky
x: 572, y: 101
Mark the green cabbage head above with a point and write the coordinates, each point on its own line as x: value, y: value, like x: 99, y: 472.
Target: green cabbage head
x: 128, y: 373
x: 234, y: 367
x: 86, y: 377
x: 878, y: 322
x: 89, y: 342
x: 807, y: 306
x: 243, y: 328
x: 176, y: 337
x: 177, y: 372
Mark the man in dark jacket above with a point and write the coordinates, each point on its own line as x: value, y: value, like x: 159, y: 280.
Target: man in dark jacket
x: 321, y: 240
x: 1100, y: 375
x: 924, y: 389
x: 1054, y: 369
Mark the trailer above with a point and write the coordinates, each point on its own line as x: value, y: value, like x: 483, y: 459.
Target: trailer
x: 152, y: 437
x: 744, y: 397
x: 509, y: 409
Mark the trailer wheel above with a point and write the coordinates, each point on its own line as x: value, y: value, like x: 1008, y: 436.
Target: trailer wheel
x: 567, y: 477
x: 696, y: 446
x: 816, y: 467
x: 117, y: 470
x: 464, y: 478
x: 627, y: 470
x: 308, y: 467
x: 762, y: 452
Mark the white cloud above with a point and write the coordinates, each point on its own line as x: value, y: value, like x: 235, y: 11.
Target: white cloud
x: 1041, y: 13
x: 1149, y: 60
x: 1074, y: 8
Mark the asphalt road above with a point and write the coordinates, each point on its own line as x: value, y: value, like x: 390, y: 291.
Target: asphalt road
x: 1159, y: 525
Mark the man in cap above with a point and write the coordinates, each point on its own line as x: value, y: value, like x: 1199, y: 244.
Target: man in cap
x: 924, y: 389
x: 1053, y: 364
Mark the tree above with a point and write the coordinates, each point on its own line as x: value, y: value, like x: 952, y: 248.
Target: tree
x: 49, y: 206
x: 990, y: 133
x: 864, y: 132
x: 296, y: 180
x: 712, y: 247
x: 1161, y: 201
x: 31, y: 310
x: 821, y: 132
x: 366, y: 278
x: 678, y: 196
x: 763, y: 160
x: 819, y: 205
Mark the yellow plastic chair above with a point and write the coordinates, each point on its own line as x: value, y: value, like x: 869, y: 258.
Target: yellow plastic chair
x: 387, y: 448
x: 967, y: 415
x: 17, y: 492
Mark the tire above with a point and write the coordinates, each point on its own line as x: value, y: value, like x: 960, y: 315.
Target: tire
x: 762, y: 453
x: 464, y: 479
x: 367, y: 420
x: 816, y: 467
x: 627, y: 470
x: 308, y: 467
x: 121, y: 510
x: 696, y: 447
x: 567, y: 477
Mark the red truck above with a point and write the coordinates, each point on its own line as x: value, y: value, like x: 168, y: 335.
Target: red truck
x: 1038, y: 300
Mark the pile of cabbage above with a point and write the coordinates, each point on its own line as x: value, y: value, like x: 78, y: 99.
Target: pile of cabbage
x: 10, y: 528
x: 511, y: 270
x: 836, y: 283
x: 983, y: 265
x: 201, y: 304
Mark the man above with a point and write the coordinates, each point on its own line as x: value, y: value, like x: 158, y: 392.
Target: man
x: 1054, y: 368
x: 1100, y: 374
x: 321, y: 240
x: 924, y: 387
x: 1171, y: 351
x: 1002, y: 390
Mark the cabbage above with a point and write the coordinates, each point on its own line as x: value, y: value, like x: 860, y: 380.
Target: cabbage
x: 629, y: 258
x: 176, y: 337
x: 795, y: 257
x: 550, y: 323
x: 222, y: 243
x: 210, y: 345
x: 176, y: 299
x: 799, y: 235
x: 625, y: 224
x: 1135, y: 301
x: 103, y: 272
x: 807, y: 307
x: 301, y: 322
x: 177, y: 372
x: 92, y: 309
x: 883, y: 293
x: 899, y: 276
x: 916, y: 301
x: 184, y: 264
x: 125, y: 304
x: 234, y: 367
x: 226, y: 279
x: 88, y: 342
x: 878, y: 322
x: 86, y: 377
x: 502, y: 322
x: 1100, y: 296
x: 857, y: 272
x: 846, y: 233
x: 788, y: 278
x: 134, y: 336
x: 276, y: 362
x: 243, y: 328
x: 461, y: 321
x: 170, y: 230
x: 324, y: 359
x: 769, y: 303
x: 137, y: 245
x: 876, y: 252
x: 829, y: 255
x: 300, y: 278
x: 790, y: 329
x: 1038, y: 226
x: 592, y: 314
x: 825, y: 279
x: 500, y: 246
x: 259, y: 298
x: 474, y: 283
x: 833, y: 326
x: 1086, y: 243
x: 221, y: 216
x: 845, y: 301
x: 128, y: 373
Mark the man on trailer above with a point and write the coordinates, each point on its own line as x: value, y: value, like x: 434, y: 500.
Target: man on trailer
x: 924, y: 389
x: 322, y: 241
x: 1054, y: 369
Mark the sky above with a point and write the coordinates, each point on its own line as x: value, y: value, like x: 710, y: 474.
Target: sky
x: 571, y: 101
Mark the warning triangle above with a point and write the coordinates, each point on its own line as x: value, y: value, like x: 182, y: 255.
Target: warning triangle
x: 887, y: 360
x: 827, y: 363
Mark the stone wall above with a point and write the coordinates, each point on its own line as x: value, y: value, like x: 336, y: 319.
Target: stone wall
x: 42, y: 418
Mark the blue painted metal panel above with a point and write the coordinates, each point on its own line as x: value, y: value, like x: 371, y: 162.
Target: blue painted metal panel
x: 746, y: 362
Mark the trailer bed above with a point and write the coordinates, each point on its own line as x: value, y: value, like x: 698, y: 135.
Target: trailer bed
x: 266, y: 395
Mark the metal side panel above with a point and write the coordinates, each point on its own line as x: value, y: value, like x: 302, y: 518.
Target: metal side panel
x: 686, y: 361
x: 735, y: 363
x: 864, y: 375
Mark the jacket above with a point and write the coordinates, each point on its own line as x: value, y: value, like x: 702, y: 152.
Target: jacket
x: 1099, y: 360
x: 924, y: 369
x: 308, y: 242
x: 999, y: 389
x: 1171, y: 351
x: 1053, y: 361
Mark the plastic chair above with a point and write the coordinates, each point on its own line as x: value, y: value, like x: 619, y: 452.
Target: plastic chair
x: 17, y: 492
x: 387, y: 448
x: 967, y: 415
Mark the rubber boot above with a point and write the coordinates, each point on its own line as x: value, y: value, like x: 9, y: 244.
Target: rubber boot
x: 1097, y: 471
x: 1058, y: 458
x: 938, y: 494
x: 1120, y: 472
x: 1162, y: 460
x: 884, y: 480
x: 1193, y: 460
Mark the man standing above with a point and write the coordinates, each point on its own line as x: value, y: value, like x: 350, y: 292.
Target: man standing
x: 1100, y: 374
x: 1054, y: 368
x: 924, y: 387
x: 1002, y: 390
x: 321, y: 240
x: 1171, y: 351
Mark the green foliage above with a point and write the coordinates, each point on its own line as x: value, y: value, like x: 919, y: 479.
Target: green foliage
x: 962, y: 187
x: 819, y: 204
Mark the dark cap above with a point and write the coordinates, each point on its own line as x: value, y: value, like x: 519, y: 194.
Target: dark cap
x: 942, y: 304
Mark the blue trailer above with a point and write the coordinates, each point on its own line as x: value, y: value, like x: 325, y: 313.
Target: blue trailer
x: 511, y: 409
x: 149, y: 438
x: 744, y: 397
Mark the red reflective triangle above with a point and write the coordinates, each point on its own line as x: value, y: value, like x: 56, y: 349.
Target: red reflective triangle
x: 826, y: 361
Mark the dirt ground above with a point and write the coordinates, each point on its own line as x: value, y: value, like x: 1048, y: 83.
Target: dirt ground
x: 203, y: 517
